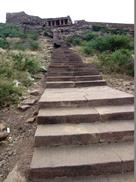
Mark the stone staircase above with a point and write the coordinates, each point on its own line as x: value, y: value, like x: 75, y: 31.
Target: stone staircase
x: 85, y: 128
x: 67, y: 70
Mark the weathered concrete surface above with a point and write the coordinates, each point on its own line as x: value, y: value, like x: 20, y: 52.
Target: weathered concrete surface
x: 78, y: 160
x: 129, y: 177
x: 102, y: 95
x: 82, y: 131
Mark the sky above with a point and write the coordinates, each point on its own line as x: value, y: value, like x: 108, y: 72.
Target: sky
x: 115, y: 11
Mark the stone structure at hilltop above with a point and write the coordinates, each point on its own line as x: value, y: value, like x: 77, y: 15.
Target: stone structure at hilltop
x: 35, y: 22
x: 65, y: 24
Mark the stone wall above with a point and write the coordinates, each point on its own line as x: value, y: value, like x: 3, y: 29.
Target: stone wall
x: 121, y: 26
x: 21, y: 18
x: 65, y: 24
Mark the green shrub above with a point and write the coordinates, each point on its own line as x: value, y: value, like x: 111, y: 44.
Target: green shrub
x: 32, y: 35
x: 120, y: 61
x: 4, y: 43
x: 97, y: 28
x: 89, y: 36
x: 111, y: 42
x: 24, y: 63
x: 9, y: 93
x: 88, y: 48
x: 108, y: 43
x: 10, y: 30
x: 75, y: 40
x: 26, y: 44
x: 34, y: 45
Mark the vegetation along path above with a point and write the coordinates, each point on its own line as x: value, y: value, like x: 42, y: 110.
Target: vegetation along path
x: 85, y: 128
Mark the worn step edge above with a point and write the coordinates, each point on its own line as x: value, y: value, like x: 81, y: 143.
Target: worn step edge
x: 84, y: 133
x: 84, y: 114
x: 91, y: 102
x: 124, y: 177
x: 82, y: 160
x: 69, y: 84
x: 74, y: 78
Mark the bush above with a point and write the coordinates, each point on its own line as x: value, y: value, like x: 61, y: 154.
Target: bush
x: 26, y: 44
x: 111, y: 42
x: 34, y: 45
x: 9, y: 30
x: 24, y: 63
x: 3, y: 43
x: 32, y: 35
x: 97, y: 28
x: 89, y: 36
x: 9, y: 93
x: 108, y: 43
x: 75, y: 40
x: 119, y: 61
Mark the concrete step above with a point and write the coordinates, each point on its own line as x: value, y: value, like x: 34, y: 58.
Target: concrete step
x: 86, y: 96
x: 100, y: 159
x: 124, y: 177
x: 74, y: 78
x: 74, y: 73
x: 84, y: 133
x: 69, y: 84
x: 88, y: 78
x: 116, y: 112
x: 70, y: 68
x: 67, y: 115
x: 85, y: 114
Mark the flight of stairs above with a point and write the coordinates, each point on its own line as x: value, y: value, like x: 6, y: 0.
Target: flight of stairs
x: 85, y: 128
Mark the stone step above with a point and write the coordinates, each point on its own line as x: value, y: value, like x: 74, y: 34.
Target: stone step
x: 70, y: 68
x: 116, y: 112
x: 86, y: 96
x: 84, y: 114
x: 124, y: 177
x: 84, y: 133
x: 74, y: 78
x: 100, y: 159
x: 74, y: 73
x: 67, y: 115
x: 68, y: 84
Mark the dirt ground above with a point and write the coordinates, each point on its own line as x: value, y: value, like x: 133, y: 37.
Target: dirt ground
x: 17, y: 149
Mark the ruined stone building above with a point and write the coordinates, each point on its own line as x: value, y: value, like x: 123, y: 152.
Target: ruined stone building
x: 65, y: 24
x: 21, y: 18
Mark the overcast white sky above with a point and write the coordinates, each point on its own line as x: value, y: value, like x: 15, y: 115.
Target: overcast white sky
x: 120, y: 11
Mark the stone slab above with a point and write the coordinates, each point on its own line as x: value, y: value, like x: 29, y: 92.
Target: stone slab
x: 127, y: 177
x: 81, y: 160
x: 67, y: 115
x: 84, y: 133
x: 94, y: 95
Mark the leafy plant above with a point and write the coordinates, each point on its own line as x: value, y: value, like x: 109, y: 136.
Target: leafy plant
x: 4, y: 43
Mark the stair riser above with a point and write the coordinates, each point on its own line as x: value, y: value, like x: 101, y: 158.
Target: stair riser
x: 72, y: 73
x: 71, y: 85
x: 84, y: 139
x: 68, y: 119
x: 60, y: 85
x: 69, y: 69
x: 84, y: 170
x: 74, y: 78
x: 118, y: 116
x: 102, y: 102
